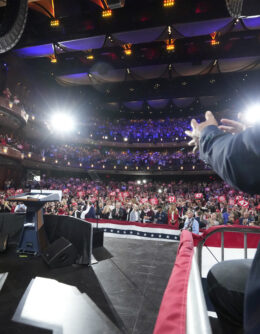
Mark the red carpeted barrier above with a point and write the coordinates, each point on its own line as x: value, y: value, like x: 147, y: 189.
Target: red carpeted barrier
x: 172, y: 313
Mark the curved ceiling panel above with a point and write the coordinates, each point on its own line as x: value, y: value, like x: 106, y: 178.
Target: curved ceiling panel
x: 112, y: 106
x: 149, y: 72
x: 237, y: 64
x: 183, y: 102
x: 208, y: 101
x: 252, y: 23
x: 134, y: 105
x: 82, y: 44
x: 75, y: 79
x: 187, y: 69
x: 158, y: 104
x: 202, y: 27
x: 36, y: 51
x: 110, y: 75
x: 140, y: 36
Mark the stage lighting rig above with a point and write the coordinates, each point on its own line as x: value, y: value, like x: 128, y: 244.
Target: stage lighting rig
x: 62, y: 123
x: 252, y: 114
x: 168, y: 3
x: 170, y: 46
x: 55, y: 23
x: 107, y: 13
x: 127, y: 49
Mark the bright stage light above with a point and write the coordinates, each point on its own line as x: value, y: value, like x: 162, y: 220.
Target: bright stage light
x: 252, y: 114
x: 62, y: 123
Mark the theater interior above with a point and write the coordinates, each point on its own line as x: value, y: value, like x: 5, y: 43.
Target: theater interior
x: 95, y: 99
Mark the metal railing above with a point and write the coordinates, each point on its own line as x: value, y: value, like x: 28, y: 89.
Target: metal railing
x: 221, y: 230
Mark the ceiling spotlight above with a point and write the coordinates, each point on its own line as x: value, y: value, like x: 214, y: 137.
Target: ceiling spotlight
x: 127, y: 49
x: 144, y: 181
x: 80, y: 165
x: 170, y: 46
x: 214, y: 41
x: 252, y: 114
x: 138, y: 182
x: 168, y: 3
x: 125, y: 139
x: 62, y: 123
x: 107, y: 13
x: 160, y: 191
x: 55, y: 23
x: 53, y: 59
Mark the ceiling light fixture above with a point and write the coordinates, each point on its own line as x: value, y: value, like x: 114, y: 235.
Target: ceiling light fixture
x: 127, y: 49
x: 107, y: 13
x: 55, y: 23
x: 168, y: 3
x: 170, y: 46
x: 214, y: 41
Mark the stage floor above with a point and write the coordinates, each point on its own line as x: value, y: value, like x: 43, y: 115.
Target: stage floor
x: 127, y: 283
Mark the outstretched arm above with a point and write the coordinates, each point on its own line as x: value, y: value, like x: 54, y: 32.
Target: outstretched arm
x: 235, y: 158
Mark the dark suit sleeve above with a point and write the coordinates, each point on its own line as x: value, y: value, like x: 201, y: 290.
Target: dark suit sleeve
x: 235, y: 158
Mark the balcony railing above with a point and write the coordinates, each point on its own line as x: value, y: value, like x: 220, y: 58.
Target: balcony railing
x: 223, y: 230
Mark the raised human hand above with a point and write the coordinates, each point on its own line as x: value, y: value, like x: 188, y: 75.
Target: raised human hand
x: 198, y: 127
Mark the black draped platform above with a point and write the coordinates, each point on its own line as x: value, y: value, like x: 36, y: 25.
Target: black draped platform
x: 77, y: 231
x: 127, y: 284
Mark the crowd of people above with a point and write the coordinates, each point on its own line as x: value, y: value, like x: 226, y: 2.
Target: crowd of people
x: 89, y: 157
x: 209, y: 203
x: 140, y: 131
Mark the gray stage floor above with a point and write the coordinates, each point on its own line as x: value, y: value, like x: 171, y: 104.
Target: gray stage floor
x: 135, y: 278
x: 127, y: 283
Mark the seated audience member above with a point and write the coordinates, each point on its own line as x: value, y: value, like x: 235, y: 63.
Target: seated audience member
x: 89, y: 212
x: 200, y: 220
x: 226, y: 215
x: 134, y: 214
x: 246, y: 219
x: 5, y: 206
x: 76, y: 213
x: 173, y: 215
x: 191, y: 224
x: 107, y: 211
x: 213, y: 220
x: 147, y: 214
x: 119, y: 213
x: 160, y: 216
x: 129, y: 208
